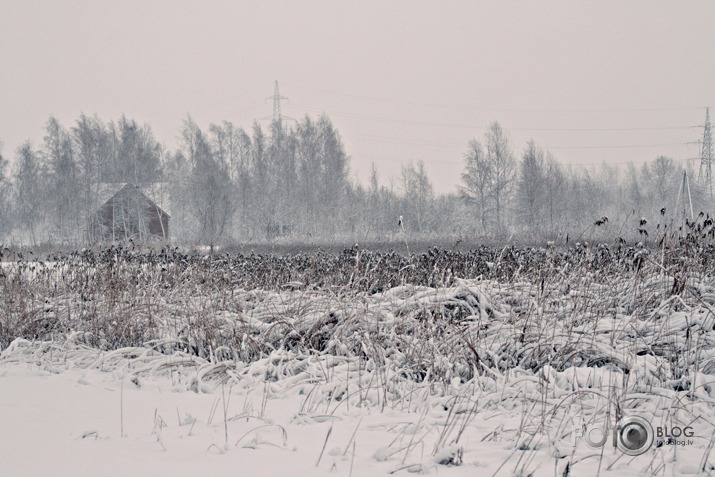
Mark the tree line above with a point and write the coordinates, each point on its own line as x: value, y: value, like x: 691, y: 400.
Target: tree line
x: 293, y: 180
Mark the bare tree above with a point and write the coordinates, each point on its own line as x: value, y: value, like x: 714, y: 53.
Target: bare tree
x: 418, y: 195
x: 178, y: 172
x: 309, y: 173
x: 664, y: 178
x: 138, y: 154
x: 90, y: 144
x: 477, y: 181
x: 209, y: 186
x: 555, y: 184
x: 28, y: 189
x: 62, y: 179
x: 531, y: 187
x: 5, y: 216
x: 503, y: 166
x: 335, y: 169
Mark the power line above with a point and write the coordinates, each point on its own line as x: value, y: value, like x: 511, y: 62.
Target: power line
x: 500, y: 109
x: 471, y: 126
x: 393, y: 140
x: 667, y: 128
x: 622, y: 146
x: 579, y: 165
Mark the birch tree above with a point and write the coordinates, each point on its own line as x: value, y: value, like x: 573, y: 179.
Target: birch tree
x: 209, y: 186
x: 531, y: 187
x: 555, y: 184
x: 476, y: 189
x: 5, y: 216
x: 418, y: 196
x: 503, y: 166
x: 62, y: 179
x: 28, y: 189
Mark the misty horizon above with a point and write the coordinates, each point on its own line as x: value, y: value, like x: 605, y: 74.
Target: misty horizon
x: 402, y: 82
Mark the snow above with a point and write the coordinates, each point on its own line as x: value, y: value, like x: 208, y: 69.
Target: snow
x: 69, y: 421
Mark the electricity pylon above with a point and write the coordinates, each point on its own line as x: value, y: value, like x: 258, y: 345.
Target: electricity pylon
x: 684, y: 189
x: 706, y: 155
x: 276, y: 103
x: 277, y: 98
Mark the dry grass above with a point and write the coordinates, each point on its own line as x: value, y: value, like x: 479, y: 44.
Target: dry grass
x: 593, y: 331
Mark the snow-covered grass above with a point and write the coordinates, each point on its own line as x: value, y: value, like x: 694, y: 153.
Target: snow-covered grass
x: 124, y: 362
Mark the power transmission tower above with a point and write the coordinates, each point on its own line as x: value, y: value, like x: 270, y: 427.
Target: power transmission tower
x: 684, y: 189
x: 277, y: 117
x: 276, y: 103
x: 706, y: 154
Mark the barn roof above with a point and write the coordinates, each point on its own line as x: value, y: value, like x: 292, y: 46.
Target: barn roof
x: 107, y: 190
x: 157, y: 192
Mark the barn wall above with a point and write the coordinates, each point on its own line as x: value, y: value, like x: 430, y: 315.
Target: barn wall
x: 156, y: 219
x: 123, y: 207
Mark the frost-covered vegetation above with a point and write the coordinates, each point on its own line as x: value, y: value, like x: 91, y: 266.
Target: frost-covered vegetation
x: 590, y: 332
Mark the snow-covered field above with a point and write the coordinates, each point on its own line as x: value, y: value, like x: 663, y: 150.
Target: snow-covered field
x: 479, y: 376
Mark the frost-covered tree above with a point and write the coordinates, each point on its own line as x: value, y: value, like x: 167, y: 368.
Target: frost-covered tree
x: 476, y: 189
x: 231, y: 147
x: 335, y: 170
x: 91, y: 146
x: 282, y: 179
x: 209, y: 188
x: 489, y: 176
x: 28, y: 189
x: 503, y: 167
x: 5, y: 215
x: 555, y: 183
x: 531, y: 188
x: 418, y: 197
x: 134, y: 155
x: 63, y: 180
x: 178, y: 171
x: 375, y: 209
x: 309, y: 173
x: 661, y: 178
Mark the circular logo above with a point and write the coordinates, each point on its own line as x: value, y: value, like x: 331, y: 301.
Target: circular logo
x: 596, y: 436
x: 633, y: 435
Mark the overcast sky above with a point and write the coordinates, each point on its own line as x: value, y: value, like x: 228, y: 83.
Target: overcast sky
x: 612, y: 81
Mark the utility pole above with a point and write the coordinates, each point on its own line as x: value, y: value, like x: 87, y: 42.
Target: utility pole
x: 706, y: 154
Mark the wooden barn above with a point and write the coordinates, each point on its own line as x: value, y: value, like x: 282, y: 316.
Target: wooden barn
x: 127, y: 212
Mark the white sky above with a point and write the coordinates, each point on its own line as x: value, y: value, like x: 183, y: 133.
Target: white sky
x: 400, y: 80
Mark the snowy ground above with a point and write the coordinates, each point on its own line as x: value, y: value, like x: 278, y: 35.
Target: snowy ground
x: 68, y: 421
